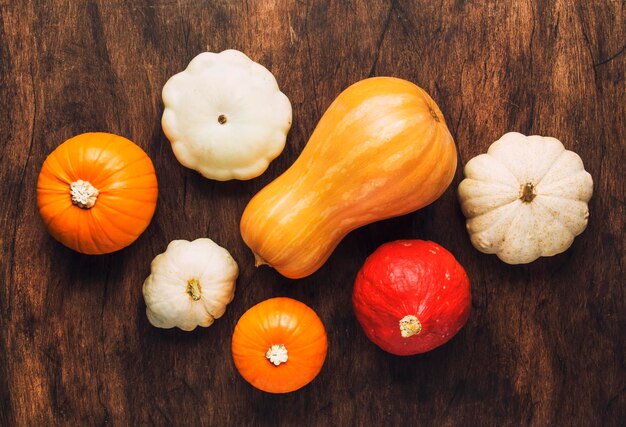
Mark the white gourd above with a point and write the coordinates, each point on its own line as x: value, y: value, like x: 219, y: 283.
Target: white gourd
x: 525, y: 198
x: 190, y: 284
x: 225, y: 116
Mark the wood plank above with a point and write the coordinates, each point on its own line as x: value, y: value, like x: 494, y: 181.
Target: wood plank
x: 545, y: 342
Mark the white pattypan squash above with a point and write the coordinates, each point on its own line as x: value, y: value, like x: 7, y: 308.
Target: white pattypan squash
x: 526, y: 198
x: 225, y: 116
x: 190, y: 284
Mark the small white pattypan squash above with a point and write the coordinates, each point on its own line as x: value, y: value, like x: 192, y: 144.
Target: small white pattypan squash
x: 225, y: 116
x: 526, y: 198
x: 190, y: 284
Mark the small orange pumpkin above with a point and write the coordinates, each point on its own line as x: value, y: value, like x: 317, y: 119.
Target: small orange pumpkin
x: 279, y: 345
x: 97, y: 192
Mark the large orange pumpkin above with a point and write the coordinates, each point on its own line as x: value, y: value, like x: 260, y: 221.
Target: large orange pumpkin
x: 97, y: 192
x: 382, y: 149
x: 279, y: 345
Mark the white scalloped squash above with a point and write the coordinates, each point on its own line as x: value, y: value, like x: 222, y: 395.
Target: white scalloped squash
x: 225, y: 116
x: 190, y: 284
x: 525, y: 198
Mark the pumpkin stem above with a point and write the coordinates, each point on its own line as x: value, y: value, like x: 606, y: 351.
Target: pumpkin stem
x: 277, y: 354
x: 83, y: 194
x: 527, y: 192
x: 259, y: 261
x: 409, y: 326
x: 221, y: 119
x: 193, y: 289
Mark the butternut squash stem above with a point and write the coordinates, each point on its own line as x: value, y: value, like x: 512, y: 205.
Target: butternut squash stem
x: 435, y: 116
x: 409, y: 326
x: 259, y: 261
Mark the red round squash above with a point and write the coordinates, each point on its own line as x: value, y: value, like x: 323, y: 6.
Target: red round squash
x: 411, y: 296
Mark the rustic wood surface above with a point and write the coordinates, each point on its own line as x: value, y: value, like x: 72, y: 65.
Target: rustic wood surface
x: 545, y: 342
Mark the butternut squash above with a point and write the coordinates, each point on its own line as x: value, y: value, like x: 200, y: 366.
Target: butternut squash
x: 382, y: 149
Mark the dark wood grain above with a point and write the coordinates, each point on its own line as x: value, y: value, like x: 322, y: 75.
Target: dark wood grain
x: 545, y: 342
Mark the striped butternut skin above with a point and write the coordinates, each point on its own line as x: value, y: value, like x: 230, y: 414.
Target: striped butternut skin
x: 382, y: 149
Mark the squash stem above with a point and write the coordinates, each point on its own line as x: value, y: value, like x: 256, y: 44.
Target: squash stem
x: 259, y: 260
x: 193, y: 289
x: 83, y: 194
x: 277, y: 354
x: 527, y: 192
x: 409, y: 326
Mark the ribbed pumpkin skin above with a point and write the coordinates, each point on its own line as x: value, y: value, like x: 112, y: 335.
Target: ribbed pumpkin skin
x: 124, y: 175
x: 382, y: 149
x: 279, y: 321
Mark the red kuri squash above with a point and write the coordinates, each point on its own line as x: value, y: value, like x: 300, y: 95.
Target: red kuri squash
x: 411, y: 296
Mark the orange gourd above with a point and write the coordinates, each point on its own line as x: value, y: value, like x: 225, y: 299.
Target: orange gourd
x: 97, y: 192
x: 279, y: 345
x: 382, y: 149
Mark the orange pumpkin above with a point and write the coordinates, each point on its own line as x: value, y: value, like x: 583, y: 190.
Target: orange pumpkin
x: 382, y: 149
x: 97, y: 192
x: 279, y: 345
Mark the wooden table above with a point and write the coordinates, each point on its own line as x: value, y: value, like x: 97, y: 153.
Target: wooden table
x: 545, y: 342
